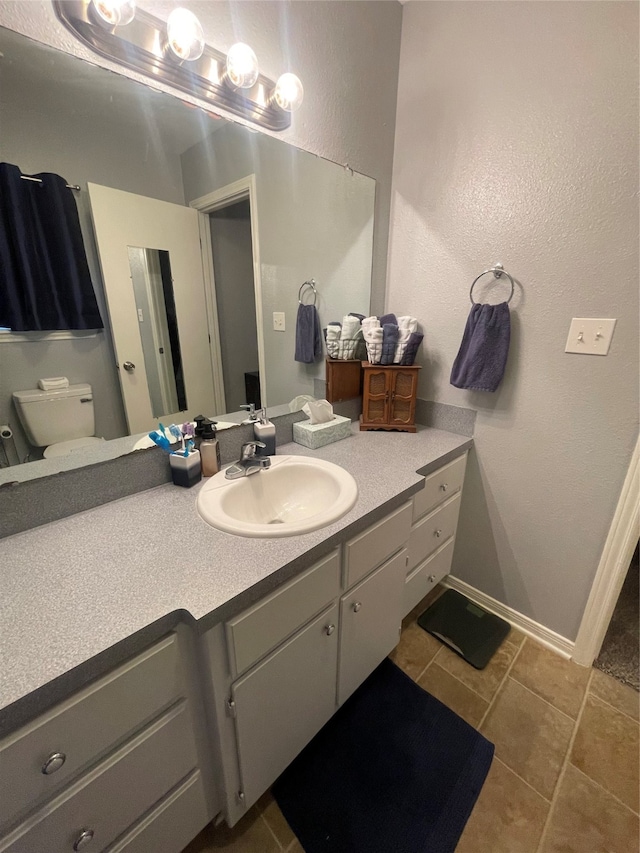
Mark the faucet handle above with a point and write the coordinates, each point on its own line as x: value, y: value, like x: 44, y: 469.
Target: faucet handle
x: 251, y: 408
x: 249, y: 448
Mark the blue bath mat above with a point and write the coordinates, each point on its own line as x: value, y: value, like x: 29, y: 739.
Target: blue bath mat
x: 393, y: 771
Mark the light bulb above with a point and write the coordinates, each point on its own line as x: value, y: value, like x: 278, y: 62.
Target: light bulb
x: 288, y: 93
x: 114, y: 13
x: 184, y: 35
x: 242, y: 66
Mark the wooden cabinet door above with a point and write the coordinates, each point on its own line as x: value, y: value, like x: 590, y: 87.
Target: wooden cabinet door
x: 370, y: 616
x: 284, y: 701
x: 403, y: 396
x: 376, y: 396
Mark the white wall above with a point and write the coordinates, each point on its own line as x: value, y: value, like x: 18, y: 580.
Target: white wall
x: 517, y: 141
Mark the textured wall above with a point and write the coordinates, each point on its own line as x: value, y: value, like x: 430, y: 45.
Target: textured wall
x: 346, y: 54
x: 517, y: 141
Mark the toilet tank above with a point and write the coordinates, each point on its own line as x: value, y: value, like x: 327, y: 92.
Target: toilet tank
x: 49, y: 417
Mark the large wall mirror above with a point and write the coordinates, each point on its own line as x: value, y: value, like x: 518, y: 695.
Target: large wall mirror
x: 197, y: 232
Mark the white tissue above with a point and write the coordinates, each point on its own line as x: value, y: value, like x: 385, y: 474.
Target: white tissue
x: 318, y: 411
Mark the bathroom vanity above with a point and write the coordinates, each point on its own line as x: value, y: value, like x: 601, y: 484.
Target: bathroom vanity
x: 181, y: 669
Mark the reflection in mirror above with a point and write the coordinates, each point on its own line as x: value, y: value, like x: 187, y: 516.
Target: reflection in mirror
x: 309, y: 219
x: 157, y: 322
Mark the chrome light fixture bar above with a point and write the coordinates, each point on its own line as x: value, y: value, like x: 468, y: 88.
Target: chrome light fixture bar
x: 143, y: 45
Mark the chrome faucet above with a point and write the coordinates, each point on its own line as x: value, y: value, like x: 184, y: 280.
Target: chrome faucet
x: 250, y: 462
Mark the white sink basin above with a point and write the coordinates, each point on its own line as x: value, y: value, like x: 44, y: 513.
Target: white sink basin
x: 296, y: 494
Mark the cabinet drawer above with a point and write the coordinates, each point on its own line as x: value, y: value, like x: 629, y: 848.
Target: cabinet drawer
x: 172, y: 824
x: 431, y: 532
x: 284, y: 701
x: 374, y: 545
x: 85, y: 726
x: 108, y: 799
x: 370, y: 617
x: 257, y: 631
x: 439, y: 486
x: 423, y: 579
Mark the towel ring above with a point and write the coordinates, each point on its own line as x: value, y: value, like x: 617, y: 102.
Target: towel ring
x: 312, y: 284
x: 498, y: 271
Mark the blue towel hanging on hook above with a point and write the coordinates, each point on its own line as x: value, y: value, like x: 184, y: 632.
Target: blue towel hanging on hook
x: 482, y: 358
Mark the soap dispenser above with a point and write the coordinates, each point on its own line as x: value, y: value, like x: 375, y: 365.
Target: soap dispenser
x: 265, y: 431
x: 209, y: 449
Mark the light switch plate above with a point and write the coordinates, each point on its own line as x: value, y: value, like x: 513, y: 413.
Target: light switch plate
x: 590, y: 336
x: 278, y: 321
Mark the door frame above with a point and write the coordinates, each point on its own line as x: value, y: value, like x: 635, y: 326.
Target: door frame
x: 612, y: 570
x: 244, y: 188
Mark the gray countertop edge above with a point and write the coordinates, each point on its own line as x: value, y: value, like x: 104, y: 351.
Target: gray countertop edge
x: 42, y: 697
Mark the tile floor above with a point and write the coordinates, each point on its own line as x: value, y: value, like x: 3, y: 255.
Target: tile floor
x: 565, y: 774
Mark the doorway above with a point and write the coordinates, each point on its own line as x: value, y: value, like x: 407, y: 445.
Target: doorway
x: 237, y: 314
x: 619, y: 655
x: 231, y: 246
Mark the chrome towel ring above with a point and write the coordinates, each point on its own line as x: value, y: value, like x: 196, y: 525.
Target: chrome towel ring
x: 498, y: 271
x: 312, y: 284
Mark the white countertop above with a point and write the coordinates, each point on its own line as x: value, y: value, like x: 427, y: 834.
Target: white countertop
x: 73, y: 589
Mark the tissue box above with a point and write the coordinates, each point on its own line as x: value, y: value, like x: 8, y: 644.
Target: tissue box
x: 317, y: 435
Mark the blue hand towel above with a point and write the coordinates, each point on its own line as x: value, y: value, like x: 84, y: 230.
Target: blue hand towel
x: 388, y: 318
x: 482, y: 358
x: 308, y: 335
x: 389, y: 341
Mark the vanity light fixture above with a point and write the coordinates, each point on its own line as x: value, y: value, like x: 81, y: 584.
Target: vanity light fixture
x: 242, y: 67
x: 113, y: 13
x: 175, y: 53
x: 288, y: 92
x: 185, y: 36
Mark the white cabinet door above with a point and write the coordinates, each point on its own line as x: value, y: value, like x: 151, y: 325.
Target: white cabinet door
x: 284, y: 701
x: 370, y: 615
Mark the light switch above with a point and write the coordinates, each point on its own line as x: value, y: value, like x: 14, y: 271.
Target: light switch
x: 590, y: 336
x: 278, y: 321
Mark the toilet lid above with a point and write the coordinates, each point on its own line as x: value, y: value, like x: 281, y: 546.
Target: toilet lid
x: 64, y: 448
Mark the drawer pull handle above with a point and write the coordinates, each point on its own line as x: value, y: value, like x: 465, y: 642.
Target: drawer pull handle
x: 432, y: 578
x: 84, y: 839
x: 437, y: 533
x: 53, y: 763
x: 444, y: 487
x: 329, y: 629
x: 356, y: 606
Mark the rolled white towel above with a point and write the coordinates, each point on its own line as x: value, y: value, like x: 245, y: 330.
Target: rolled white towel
x: 53, y: 383
x: 409, y: 323
x: 351, y: 347
x: 333, y: 340
x: 371, y: 323
x: 406, y: 327
x: 373, y: 338
x: 350, y: 327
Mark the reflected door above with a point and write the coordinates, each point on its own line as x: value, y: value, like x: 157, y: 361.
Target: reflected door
x: 152, y: 270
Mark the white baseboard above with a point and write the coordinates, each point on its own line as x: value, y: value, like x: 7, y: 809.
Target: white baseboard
x: 523, y: 623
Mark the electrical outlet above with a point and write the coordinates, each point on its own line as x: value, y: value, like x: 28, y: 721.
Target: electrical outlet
x: 278, y: 321
x: 590, y: 336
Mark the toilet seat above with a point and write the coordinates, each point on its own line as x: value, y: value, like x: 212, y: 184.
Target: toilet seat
x: 65, y: 448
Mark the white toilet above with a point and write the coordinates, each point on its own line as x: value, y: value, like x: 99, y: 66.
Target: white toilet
x: 62, y: 421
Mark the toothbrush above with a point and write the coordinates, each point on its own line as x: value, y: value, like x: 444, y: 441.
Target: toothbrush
x: 190, y: 446
x: 177, y: 434
x: 163, y: 430
x: 161, y: 440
